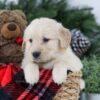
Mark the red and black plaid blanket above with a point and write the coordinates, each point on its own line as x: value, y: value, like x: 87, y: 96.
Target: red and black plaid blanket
x: 14, y: 87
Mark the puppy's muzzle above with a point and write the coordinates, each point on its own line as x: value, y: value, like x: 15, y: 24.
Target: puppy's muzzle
x: 36, y: 54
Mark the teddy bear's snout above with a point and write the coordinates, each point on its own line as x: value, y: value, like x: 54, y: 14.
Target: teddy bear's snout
x: 12, y: 27
x: 10, y: 30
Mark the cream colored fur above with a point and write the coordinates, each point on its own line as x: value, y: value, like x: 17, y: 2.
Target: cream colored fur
x: 56, y: 53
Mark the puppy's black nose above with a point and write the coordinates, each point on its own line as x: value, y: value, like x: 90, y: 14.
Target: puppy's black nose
x: 36, y: 54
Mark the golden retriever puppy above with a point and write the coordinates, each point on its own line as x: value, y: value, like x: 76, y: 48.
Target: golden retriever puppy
x: 47, y: 44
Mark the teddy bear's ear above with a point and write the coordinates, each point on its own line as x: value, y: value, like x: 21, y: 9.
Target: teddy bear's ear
x: 20, y: 13
x: 3, y: 11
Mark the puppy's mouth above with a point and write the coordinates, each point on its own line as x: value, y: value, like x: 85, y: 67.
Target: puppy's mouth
x: 41, y: 62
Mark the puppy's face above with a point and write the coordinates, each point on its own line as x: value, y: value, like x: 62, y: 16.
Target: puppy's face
x: 45, y: 39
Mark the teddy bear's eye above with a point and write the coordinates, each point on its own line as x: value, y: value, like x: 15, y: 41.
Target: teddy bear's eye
x: 30, y: 40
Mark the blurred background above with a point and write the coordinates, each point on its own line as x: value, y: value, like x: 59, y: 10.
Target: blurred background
x: 95, y: 4
x: 81, y: 15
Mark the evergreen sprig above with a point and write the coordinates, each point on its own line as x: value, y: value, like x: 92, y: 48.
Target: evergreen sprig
x: 91, y: 74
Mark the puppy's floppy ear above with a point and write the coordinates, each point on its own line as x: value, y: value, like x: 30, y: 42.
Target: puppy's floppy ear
x: 23, y: 46
x: 64, y: 37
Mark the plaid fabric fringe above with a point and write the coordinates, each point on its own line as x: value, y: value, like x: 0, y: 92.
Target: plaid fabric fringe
x: 14, y: 87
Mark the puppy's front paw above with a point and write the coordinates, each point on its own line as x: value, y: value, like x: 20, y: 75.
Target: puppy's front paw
x: 82, y: 84
x: 31, y: 74
x: 59, y: 78
x: 59, y: 74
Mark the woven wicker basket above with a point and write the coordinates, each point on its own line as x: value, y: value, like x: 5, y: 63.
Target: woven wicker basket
x: 70, y: 90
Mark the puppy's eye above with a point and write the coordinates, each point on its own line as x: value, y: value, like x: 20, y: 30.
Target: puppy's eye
x: 46, y: 40
x: 30, y: 40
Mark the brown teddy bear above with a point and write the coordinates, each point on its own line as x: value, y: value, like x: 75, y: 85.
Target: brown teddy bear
x: 12, y: 25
